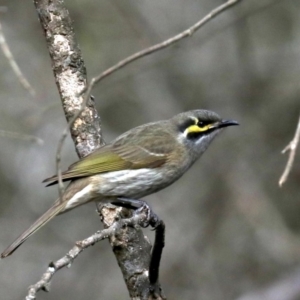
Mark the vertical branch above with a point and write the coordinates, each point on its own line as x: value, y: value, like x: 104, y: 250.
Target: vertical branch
x: 70, y: 74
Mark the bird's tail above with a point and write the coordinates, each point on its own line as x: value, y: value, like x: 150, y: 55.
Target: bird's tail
x: 45, y: 218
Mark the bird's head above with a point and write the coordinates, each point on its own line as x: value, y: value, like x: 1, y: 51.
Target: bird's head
x: 197, y: 128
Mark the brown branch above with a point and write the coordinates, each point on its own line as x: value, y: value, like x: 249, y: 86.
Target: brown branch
x: 292, y: 147
x: 8, y: 54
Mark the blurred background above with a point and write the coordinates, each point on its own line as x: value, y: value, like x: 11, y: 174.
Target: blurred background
x: 232, y: 233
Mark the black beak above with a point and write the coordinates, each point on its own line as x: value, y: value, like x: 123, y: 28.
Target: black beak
x: 225, y: 123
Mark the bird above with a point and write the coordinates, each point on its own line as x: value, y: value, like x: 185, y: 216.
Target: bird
x: 138, y: 163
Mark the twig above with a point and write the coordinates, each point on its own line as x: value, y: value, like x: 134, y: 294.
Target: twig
x: 292, y: 147
x: 59, y: 149
x: 66, y: 261
x: 186, y: 33
x: 21, y: 136
x: 61, y: 144
x: 13, y: 63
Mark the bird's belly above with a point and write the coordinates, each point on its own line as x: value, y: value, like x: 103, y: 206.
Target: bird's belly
x: 133, y: 183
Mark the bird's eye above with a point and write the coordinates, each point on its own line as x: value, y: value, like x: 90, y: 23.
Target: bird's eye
x: 201, y: 124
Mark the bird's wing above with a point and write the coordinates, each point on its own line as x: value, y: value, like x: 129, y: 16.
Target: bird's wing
x: 120, y: 155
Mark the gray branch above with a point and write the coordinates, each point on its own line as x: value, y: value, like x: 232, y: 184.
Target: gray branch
x: 70, y: 74
x: 116, y: 230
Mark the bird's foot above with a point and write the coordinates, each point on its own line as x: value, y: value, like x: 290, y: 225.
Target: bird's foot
x: 151, y: 218
x: 140, y: 207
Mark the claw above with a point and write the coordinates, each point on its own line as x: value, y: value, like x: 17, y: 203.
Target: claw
x: 151, y: 218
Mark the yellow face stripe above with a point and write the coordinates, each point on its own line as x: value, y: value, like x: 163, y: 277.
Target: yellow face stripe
x: 196, y: 128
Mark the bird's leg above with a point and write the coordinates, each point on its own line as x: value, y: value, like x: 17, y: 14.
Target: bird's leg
x: 156, y: 223
x: 159, y: 243
x: 139, y: 207
x: 127, y: 203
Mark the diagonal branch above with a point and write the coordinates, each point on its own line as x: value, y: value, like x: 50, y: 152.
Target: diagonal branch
x: 292, y: 147
x: 167, y: 43
x: 67, y: 260
x: 6, y: 51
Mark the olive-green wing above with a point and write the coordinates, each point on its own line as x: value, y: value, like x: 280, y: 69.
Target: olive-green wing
x: 120, y: 155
